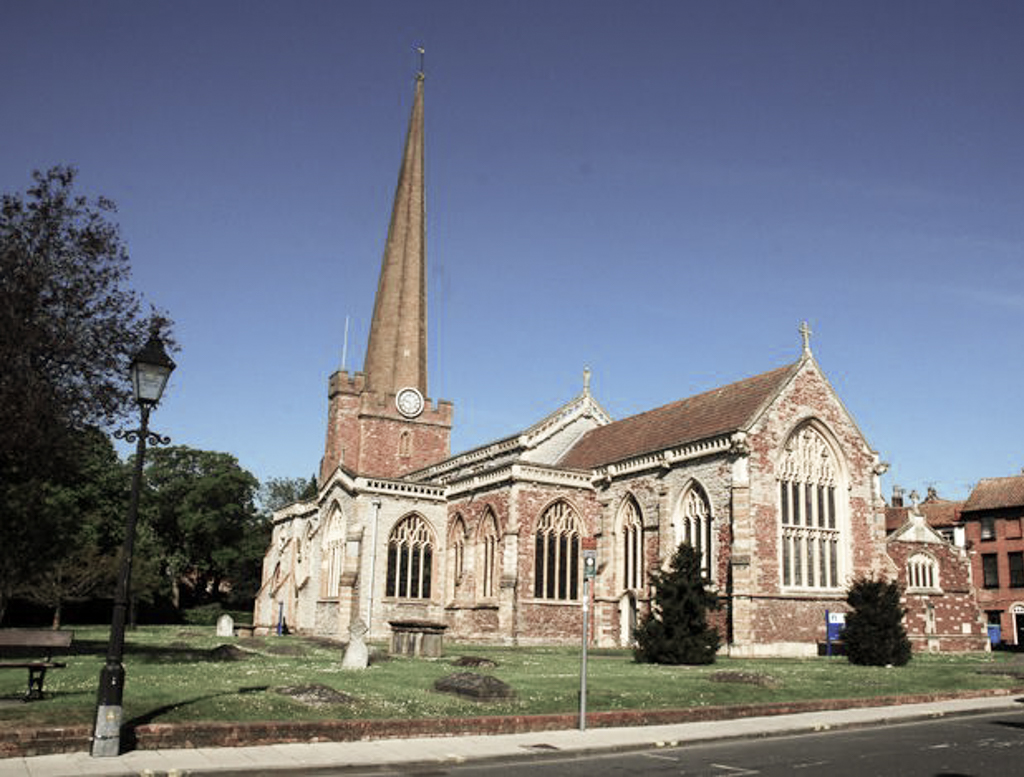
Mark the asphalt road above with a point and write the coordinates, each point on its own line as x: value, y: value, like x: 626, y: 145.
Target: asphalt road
x: 990, y: 745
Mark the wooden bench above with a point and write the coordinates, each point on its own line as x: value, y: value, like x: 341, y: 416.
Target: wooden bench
x: 36, y: 646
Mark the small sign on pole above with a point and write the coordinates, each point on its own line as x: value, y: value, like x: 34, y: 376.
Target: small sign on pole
x: 589, y: 547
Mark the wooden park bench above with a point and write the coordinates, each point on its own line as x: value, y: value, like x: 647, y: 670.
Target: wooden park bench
x: 35, y: 647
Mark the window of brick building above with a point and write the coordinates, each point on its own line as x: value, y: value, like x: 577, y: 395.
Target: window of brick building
x: 990, y: 570
x: 694, y: 526
x: 1012, y: 528
x: 811, y: 538
x: 457, y: 551
x: 632, y: 545
x: 410, y: 559
x: 922, y: 572
x: 489, y: 555
x: 557, y: 554
x: 1016, y: 560
x: 988, y: 527
x: 333, y: 554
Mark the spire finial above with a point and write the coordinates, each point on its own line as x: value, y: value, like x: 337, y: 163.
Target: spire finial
x: 586, y: 381
x: 421, y: 51
x: 805, y: 334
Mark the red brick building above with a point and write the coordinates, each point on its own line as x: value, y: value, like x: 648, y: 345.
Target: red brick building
x: 992, y: 517
x: 769, y: 477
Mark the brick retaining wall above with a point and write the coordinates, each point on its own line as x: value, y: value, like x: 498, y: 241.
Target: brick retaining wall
x: 173, y: 736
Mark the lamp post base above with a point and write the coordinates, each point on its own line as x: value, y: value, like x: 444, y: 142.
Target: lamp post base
x: 106, y: 738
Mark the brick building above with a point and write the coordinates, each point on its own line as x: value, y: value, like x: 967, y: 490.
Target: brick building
x: 769, y: 477
x: 991, y: 518
x: 925, y: 543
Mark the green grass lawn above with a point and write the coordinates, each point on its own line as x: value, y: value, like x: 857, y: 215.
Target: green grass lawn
x: 172, y: 676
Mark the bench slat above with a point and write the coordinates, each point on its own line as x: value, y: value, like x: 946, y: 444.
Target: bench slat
x: 35, y: 638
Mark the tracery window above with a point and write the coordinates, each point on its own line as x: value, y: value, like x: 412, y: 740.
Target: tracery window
x: 694, y: 525
x: 557, y: 554
x: 632, y: 545
x: 488, y: 555
x: 809, y: 511
x: 333, y: 555
x: 457, y: 550
x: 410, y: 559
x: 922, y: 572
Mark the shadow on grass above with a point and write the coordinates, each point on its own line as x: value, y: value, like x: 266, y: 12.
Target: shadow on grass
x: 174, y: 653
x: 128, y: 736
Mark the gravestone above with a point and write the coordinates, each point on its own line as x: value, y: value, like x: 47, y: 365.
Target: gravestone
x: 225, y: 626
x: 356, y: 654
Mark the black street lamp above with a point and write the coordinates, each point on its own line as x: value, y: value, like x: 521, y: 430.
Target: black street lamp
x: 150, y: 370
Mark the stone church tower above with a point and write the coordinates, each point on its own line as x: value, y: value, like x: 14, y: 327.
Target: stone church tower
x: 380, y: 421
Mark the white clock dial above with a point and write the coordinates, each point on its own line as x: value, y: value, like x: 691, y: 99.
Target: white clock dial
x: 409, y: 402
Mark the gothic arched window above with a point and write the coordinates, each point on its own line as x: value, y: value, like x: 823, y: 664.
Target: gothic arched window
x: 333, y: 554
x: 488, y: 555
x: 922, y: 572
x: 632, y: 545
x: 457, y: 551
x: 410, y: 559
x: 809, y: 506
x: 557, y: 554
x: 694, y: 525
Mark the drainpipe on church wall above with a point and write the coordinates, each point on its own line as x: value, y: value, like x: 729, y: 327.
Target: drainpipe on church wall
x: 371, y: 583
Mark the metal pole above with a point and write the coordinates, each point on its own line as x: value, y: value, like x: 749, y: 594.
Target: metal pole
x: 106, y: 737
x: 583, y: 662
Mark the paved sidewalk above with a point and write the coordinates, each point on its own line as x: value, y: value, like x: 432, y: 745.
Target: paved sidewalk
x: 330, y: 757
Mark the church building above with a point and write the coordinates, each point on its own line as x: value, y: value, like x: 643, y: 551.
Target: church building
x: 769, y: 478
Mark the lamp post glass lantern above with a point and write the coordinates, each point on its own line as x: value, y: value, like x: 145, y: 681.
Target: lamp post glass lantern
x: 149, y: 371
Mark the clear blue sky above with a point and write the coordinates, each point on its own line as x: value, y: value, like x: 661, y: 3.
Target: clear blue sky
x: 660, y: 191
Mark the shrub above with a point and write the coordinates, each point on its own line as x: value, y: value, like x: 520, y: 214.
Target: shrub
x: 874, y: 633
x: 677, y: 631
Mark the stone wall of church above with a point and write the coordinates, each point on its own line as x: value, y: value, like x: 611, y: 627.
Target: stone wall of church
x: 365, y: 431
x: 469, y: 614
x: 792, y: 620
x: 537, y: 620
x: 659, y: 498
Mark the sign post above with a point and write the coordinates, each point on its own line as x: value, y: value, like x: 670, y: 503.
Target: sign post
x: 589, y: 573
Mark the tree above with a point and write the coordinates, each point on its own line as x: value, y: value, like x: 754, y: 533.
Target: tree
x: 87, y: 500
x: 874, y: 633
x: 276, y: 493
x: 676, y: 631
x: 203, y: 515
x: 69, y: 325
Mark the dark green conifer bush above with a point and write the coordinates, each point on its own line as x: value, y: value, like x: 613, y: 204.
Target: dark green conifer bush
x: 874, y: 633
x: 677, y: 630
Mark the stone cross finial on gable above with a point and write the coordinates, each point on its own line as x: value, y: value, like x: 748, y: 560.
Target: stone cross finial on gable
x: 586, y: 381
x: 805, y: 333
x: 914, y: 498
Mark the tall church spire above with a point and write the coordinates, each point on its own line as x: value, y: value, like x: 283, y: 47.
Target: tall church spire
x: 396, y: 354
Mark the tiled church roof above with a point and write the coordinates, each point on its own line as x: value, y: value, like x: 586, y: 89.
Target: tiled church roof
x: 714, y: 412
x: 995, y: 493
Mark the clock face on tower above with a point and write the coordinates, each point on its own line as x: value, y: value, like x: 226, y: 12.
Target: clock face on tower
x: 409, y: 402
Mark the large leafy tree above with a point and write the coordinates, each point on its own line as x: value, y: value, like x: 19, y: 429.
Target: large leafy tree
x: 88, y: 501
x: 276, y: 492
x: 203, y: 515
x: 874, y: 634
x: 677, y: 630
x: 69, y: 325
